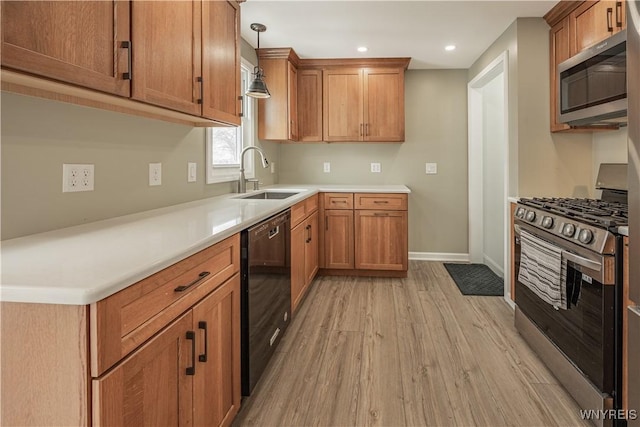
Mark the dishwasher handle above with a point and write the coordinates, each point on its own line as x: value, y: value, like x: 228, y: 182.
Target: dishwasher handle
x: 274, y: 232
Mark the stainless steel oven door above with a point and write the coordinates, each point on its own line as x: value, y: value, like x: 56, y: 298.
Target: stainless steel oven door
x: 585, y: 332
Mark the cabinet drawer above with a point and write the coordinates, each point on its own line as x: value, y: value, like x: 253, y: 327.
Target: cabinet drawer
x: 338, y: 200
x: 125, y: 320
x: 303, y: 209
x: 387, y: 202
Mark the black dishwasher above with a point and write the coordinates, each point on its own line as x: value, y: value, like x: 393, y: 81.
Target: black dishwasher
x: 266, y: 293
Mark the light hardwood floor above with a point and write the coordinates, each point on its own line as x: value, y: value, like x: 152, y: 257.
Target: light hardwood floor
x: 405, y: 352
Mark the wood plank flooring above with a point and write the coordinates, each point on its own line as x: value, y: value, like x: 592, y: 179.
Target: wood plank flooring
x: 405, y: 352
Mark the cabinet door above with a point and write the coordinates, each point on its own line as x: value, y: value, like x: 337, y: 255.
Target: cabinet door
x: 311, y: 249
x: 167, y: 38
x: 338, y: 239
x: 216, y: 388
x: 342, y: 105
x: 221, y: 61
x: 292, y: 104
x: 273, y: 112
x: 310, y: 105
x: 298, y: 244
x: 383, y: 105
x: 591, y: 22
x: 151, y: 386
x: 77, y: 42
x: 381, y: 240
x: 559, y: 50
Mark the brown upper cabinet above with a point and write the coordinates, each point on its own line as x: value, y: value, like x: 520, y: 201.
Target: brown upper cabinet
x: 332, y: 100
x: 309, y: 105
x: 364, y: 103
x: 76, y: 42
x: 278, y: 115
x: 575, y: 26
x: 594, y: 21
x: 190, y: 69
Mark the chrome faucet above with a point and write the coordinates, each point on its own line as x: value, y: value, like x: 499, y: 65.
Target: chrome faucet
x: 242, y: 182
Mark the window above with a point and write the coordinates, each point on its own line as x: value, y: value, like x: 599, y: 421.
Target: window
x: 224, y: 144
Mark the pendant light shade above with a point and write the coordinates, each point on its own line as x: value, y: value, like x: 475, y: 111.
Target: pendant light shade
x: 258, y: 88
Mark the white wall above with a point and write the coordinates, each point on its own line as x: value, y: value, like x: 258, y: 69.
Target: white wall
x: 493, y: 174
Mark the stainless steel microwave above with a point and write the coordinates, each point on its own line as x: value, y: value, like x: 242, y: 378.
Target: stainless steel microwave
x: 592, y: 85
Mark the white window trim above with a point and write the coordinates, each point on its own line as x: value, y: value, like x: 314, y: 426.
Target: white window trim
x: 219, y: 173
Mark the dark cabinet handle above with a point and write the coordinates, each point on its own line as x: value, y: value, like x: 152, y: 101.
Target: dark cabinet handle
x: 191, y: 370
x: 308, y: 228
x: 609, y: 19
x: 366, y: 129
x: 201, y: 276
x: 127, y: 45
x: 381, y: 201
x: 361, y: 129
x: 241, y: 99
x: 619, y: 14
x: 199, y: 80
x: 203, y: 326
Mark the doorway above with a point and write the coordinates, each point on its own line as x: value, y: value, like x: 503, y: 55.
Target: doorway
x: 488, y: 168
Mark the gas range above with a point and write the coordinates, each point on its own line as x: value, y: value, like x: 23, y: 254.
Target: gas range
x: 589, y: 223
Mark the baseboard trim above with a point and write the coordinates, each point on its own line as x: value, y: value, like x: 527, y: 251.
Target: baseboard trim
x: 438, y: 256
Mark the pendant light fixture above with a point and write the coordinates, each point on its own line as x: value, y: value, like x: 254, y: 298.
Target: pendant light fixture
x: 258, y: 88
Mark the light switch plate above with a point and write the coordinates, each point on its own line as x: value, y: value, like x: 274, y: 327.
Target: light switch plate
x: 192, y: 169
x: 327, y: 167
x: 155, y: 174
x: 431, y: 168
x: 375, y: 167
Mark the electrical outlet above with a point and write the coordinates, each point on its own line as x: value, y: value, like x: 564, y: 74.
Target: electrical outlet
x: 431, y: 168
x: 191, y: 172
x: 77, y: 177
x: 273, y: 167
x: 155, y: 174
x: 327, y: 167
x: 375, y: 167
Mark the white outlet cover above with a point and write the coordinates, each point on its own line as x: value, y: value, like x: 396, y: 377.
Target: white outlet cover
x: 273, y: 167
x: 327, y: 167
x: 431, y: 168
x: 77, y: 177
x: 192, y: 170
x: 375, y: 167
x: 155, y: 174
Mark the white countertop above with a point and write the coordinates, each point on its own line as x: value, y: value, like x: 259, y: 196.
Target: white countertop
x: 112, y: 254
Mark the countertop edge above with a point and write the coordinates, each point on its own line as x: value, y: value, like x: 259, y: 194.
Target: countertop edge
x: 29, y: 293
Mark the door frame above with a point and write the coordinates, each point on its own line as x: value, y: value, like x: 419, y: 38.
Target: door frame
x: 499, y: 65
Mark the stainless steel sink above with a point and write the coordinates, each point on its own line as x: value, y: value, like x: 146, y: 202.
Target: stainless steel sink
x: 269, y: 195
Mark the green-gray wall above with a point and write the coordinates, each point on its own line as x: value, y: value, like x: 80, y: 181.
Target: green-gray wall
x: 541, y: 163
x: 39, y: 135
x: 436, y: 132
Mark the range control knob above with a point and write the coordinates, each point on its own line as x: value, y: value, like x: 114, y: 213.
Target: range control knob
x: 547, y: 222
x: 585, y: 236
x: 569, y: 230
x: 520, y: 213
x: 531, y: 216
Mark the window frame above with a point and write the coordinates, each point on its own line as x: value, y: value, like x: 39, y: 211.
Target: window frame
x: 218, y: 173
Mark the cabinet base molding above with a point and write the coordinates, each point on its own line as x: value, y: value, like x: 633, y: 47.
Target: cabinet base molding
x: 364, y: 273
x: 25, y: 84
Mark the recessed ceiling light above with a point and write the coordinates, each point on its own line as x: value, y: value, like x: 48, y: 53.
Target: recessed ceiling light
x: 363, y: 49
x: 450, y: 47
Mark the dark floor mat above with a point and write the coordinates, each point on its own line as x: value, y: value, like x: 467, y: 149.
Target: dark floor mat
x: 475, y: 279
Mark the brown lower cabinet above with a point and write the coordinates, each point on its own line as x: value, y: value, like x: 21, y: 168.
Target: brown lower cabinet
x: 365, y: 233
x: 163, y: 351
x: 186, y: 375
x: 304, y: 248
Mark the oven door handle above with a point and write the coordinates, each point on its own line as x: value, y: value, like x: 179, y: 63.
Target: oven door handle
x: 582, y: 261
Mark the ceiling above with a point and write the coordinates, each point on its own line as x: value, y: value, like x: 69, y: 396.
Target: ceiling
x: 416, y: 29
